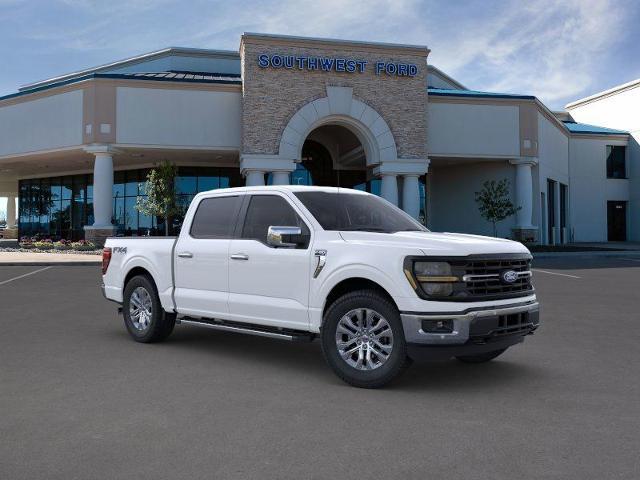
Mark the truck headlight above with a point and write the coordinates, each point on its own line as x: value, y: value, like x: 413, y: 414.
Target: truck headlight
x: 435, y: 278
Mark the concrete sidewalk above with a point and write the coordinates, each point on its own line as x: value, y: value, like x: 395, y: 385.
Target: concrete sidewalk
x: 33, y: 258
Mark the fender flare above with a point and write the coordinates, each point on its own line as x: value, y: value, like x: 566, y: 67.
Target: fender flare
x: 359, y: 270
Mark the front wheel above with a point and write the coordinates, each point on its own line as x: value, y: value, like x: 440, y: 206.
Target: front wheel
x: 481, y: 357
x: 363, y: 340
x: 144, y: 317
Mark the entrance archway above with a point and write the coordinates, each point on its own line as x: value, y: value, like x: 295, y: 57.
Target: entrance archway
x: 332, y: 155
x: 339, y: 108
x: 368, y: 158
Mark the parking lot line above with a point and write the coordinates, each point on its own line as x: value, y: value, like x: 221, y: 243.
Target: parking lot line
x: 555, y: 273
x: 25, y: 275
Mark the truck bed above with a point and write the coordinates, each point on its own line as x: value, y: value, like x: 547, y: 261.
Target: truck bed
x: 154, y: 254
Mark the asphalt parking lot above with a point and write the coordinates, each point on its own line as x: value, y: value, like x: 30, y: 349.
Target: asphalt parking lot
x: 79, y: 399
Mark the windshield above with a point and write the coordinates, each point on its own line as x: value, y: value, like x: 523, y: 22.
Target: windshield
x: 356, y: 212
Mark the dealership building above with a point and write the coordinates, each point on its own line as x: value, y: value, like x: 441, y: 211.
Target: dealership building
x: 75, y: 150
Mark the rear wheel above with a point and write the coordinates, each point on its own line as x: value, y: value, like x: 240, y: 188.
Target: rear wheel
x: 144, y: 317
x: 363, y: 340
x: 481, y: 357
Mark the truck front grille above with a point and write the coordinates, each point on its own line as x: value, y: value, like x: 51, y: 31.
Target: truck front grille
x: 482, y: 278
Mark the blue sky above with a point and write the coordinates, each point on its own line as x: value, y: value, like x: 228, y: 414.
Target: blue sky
x: 556, y: 50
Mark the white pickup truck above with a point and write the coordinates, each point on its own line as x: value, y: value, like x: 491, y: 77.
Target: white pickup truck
x: 296, y: 263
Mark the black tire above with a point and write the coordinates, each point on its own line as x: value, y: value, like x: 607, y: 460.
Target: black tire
x: 481, y: 357
x: 161, y: 323
x: 395, y: 363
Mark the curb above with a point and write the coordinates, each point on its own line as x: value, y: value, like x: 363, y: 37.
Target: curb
x: 616, y: 253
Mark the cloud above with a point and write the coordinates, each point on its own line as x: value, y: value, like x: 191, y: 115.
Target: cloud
x: 551, y: 49
x: 557, y: 50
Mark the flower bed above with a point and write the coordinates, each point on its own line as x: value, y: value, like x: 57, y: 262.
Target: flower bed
x: 44, y: 245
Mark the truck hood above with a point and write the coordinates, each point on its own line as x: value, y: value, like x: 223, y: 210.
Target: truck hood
x: 430, y: 243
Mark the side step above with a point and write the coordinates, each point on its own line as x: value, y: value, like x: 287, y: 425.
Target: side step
x: 249, y: 329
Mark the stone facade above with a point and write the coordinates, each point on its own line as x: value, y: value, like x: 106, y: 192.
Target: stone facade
x: 271, y: 96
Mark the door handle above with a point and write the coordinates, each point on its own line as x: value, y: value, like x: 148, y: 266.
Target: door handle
x: 239, y: 256
x: 185, y: 255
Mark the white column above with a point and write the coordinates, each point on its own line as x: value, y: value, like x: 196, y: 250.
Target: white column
x: 524, y: 193
x: 102, y: 186
x: 280, y: 178
x: 411, y: 195
x: 254, y: 178
x: 389, y: 190
x: 11, y: 212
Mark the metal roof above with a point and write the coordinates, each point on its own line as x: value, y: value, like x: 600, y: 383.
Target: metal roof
x: 475, y: 93
x: 585, y: 128
x: 135, y: 60
x: 176, y: 75
x: 186, y: 77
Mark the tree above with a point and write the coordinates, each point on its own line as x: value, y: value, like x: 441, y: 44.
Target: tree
x: 494, y: 202
x: 160, y: 190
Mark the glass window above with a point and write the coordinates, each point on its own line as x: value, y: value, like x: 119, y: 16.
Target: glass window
x: 79, y: 187
x: 269, y: 210
x: 51, y: 188
x: 67, y: 188
x: 215, y: 217
x: 118, y: 184
x: 142, y: 183
x: 90, y: 186
x: 62, y: 206
x: 616, y: 161
x: 186, y: 184
x: 208, y: 183
x: 130, y: 216
x: 119, y: 214
x: 356, y: 212
x: 145, y: 225
x: 131, y: 184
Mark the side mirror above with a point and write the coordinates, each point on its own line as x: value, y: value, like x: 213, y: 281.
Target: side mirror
x: 287, y: 237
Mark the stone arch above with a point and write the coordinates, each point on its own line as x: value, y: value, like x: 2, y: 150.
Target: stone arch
x: 340, y: 108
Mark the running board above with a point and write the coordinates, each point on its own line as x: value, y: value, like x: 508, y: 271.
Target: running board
x: 258, y: 330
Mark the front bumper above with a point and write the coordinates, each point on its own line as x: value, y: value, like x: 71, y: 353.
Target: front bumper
x: 475, y: 330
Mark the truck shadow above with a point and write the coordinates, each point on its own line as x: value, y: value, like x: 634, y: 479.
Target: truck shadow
x: 455, y: 376
x: 305, y: 360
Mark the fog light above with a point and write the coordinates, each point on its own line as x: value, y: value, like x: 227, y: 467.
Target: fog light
x: 437, y: 326
x: 437, y: 289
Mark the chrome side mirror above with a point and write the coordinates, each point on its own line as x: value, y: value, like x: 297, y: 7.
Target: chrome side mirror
x: 288, y: 237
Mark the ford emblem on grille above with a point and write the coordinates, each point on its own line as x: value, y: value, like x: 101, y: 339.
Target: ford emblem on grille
x: 509, y: 276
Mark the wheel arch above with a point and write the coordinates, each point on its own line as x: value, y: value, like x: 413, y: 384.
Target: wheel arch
x: 353, y: 284
x: 134, y: 272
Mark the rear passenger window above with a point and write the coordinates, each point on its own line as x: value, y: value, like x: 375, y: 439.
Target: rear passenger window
x: 269, y: 210
x: 215, y: 217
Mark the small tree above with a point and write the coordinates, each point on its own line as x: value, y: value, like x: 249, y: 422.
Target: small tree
x: 494, y: 202
x: 160, y: 190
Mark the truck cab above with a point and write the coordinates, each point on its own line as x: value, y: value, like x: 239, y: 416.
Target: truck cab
x: 374, y: 285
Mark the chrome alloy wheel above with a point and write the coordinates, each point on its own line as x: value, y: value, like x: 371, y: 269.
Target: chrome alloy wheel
x: 364, y: 339
x: 140, y: 308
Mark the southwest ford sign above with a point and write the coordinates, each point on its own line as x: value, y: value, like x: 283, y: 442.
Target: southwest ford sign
x: 334, y: 64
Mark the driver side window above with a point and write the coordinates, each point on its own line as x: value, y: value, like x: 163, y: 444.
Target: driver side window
x: 269, y: 210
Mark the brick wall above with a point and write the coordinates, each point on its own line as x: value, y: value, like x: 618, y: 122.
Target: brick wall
x: 271, y: 96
